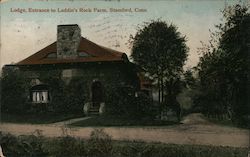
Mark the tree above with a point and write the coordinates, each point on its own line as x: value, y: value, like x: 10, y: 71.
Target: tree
x: 13, y: 93
x: 189, y: 78
x: 161, y: 50
x: 224, y: 66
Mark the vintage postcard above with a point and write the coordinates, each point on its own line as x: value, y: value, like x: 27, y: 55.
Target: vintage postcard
x: 125, y: 78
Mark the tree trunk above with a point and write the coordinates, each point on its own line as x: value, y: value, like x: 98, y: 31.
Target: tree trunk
x: 159, y: 92
x: 162, y: 90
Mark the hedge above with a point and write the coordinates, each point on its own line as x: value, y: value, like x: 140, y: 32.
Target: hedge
x: 101, y: 144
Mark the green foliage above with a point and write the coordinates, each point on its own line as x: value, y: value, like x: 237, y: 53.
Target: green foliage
x: 122, y: 101
x: 137, y: 149
x: 224, y: 66
x: 116, y: 100
x: 145, y: 108
x: 160, y: 49
x: 56, y: 90
x: 22, y: 146
x: 13, y: 93
x: 75, y: 95
x: 65, y: 147
x: 66, y: 98
x: 189, y: 78
x: 101, y: 144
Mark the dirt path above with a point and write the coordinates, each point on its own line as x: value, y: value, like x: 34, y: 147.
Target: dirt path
x: 191, y: 132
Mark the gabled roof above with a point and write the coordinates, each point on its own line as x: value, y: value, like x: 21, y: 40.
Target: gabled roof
x: 96, y: 53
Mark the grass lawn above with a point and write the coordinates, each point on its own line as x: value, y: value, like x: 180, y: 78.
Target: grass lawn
x: 120, y: 121
x: 39, y: 118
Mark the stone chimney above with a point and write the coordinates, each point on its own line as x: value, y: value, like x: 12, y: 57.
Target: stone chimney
x: 68, y: 40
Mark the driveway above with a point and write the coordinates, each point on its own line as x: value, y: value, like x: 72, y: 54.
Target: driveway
x: 194, y: 130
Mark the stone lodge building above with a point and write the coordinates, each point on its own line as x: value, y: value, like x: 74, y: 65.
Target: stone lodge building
x: 100, y: 68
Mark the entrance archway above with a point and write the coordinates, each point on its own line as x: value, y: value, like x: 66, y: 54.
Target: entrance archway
x: 97, y: 93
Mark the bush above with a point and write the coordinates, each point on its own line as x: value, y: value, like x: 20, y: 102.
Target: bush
x: 144, y: 107
x: 115, y: 102
x: 138, y: 149
x: 66, y: 98
x: 99, y: 144
x: 27, y: 146
x: 65, y: 147
x: 13, y: 93
x: 75, y: 95
x: 122, y: 101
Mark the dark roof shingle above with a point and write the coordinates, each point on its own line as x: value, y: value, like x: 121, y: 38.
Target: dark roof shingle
x: 96, y: 53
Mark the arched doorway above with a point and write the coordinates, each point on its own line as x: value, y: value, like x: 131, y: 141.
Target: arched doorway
x: 97, y: 93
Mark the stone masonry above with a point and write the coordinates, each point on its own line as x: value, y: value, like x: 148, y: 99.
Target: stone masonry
x: 68, y: 39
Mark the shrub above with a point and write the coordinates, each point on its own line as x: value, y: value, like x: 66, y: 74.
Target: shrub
x: 139, y: 149
x: 144, y: 107
x: 75, y: 95
x: 99, y: 144
x: 66, y: 98
x: 122, y: 101
x: 27, y: 146
x: 13, y: 93
x: 56, y: 88
x: 116, y: 101
x: 65, y: 147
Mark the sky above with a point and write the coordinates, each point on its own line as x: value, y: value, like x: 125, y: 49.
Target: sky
x: 25, y: 33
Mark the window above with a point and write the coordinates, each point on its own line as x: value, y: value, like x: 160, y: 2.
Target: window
x: 83, y: 54
x: 51, y: 55
x: 40, y: 96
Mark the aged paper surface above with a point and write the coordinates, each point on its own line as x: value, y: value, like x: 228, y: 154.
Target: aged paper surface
x: 91, y: 42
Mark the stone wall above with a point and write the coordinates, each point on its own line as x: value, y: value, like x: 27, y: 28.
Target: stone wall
x: 110, y: 75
